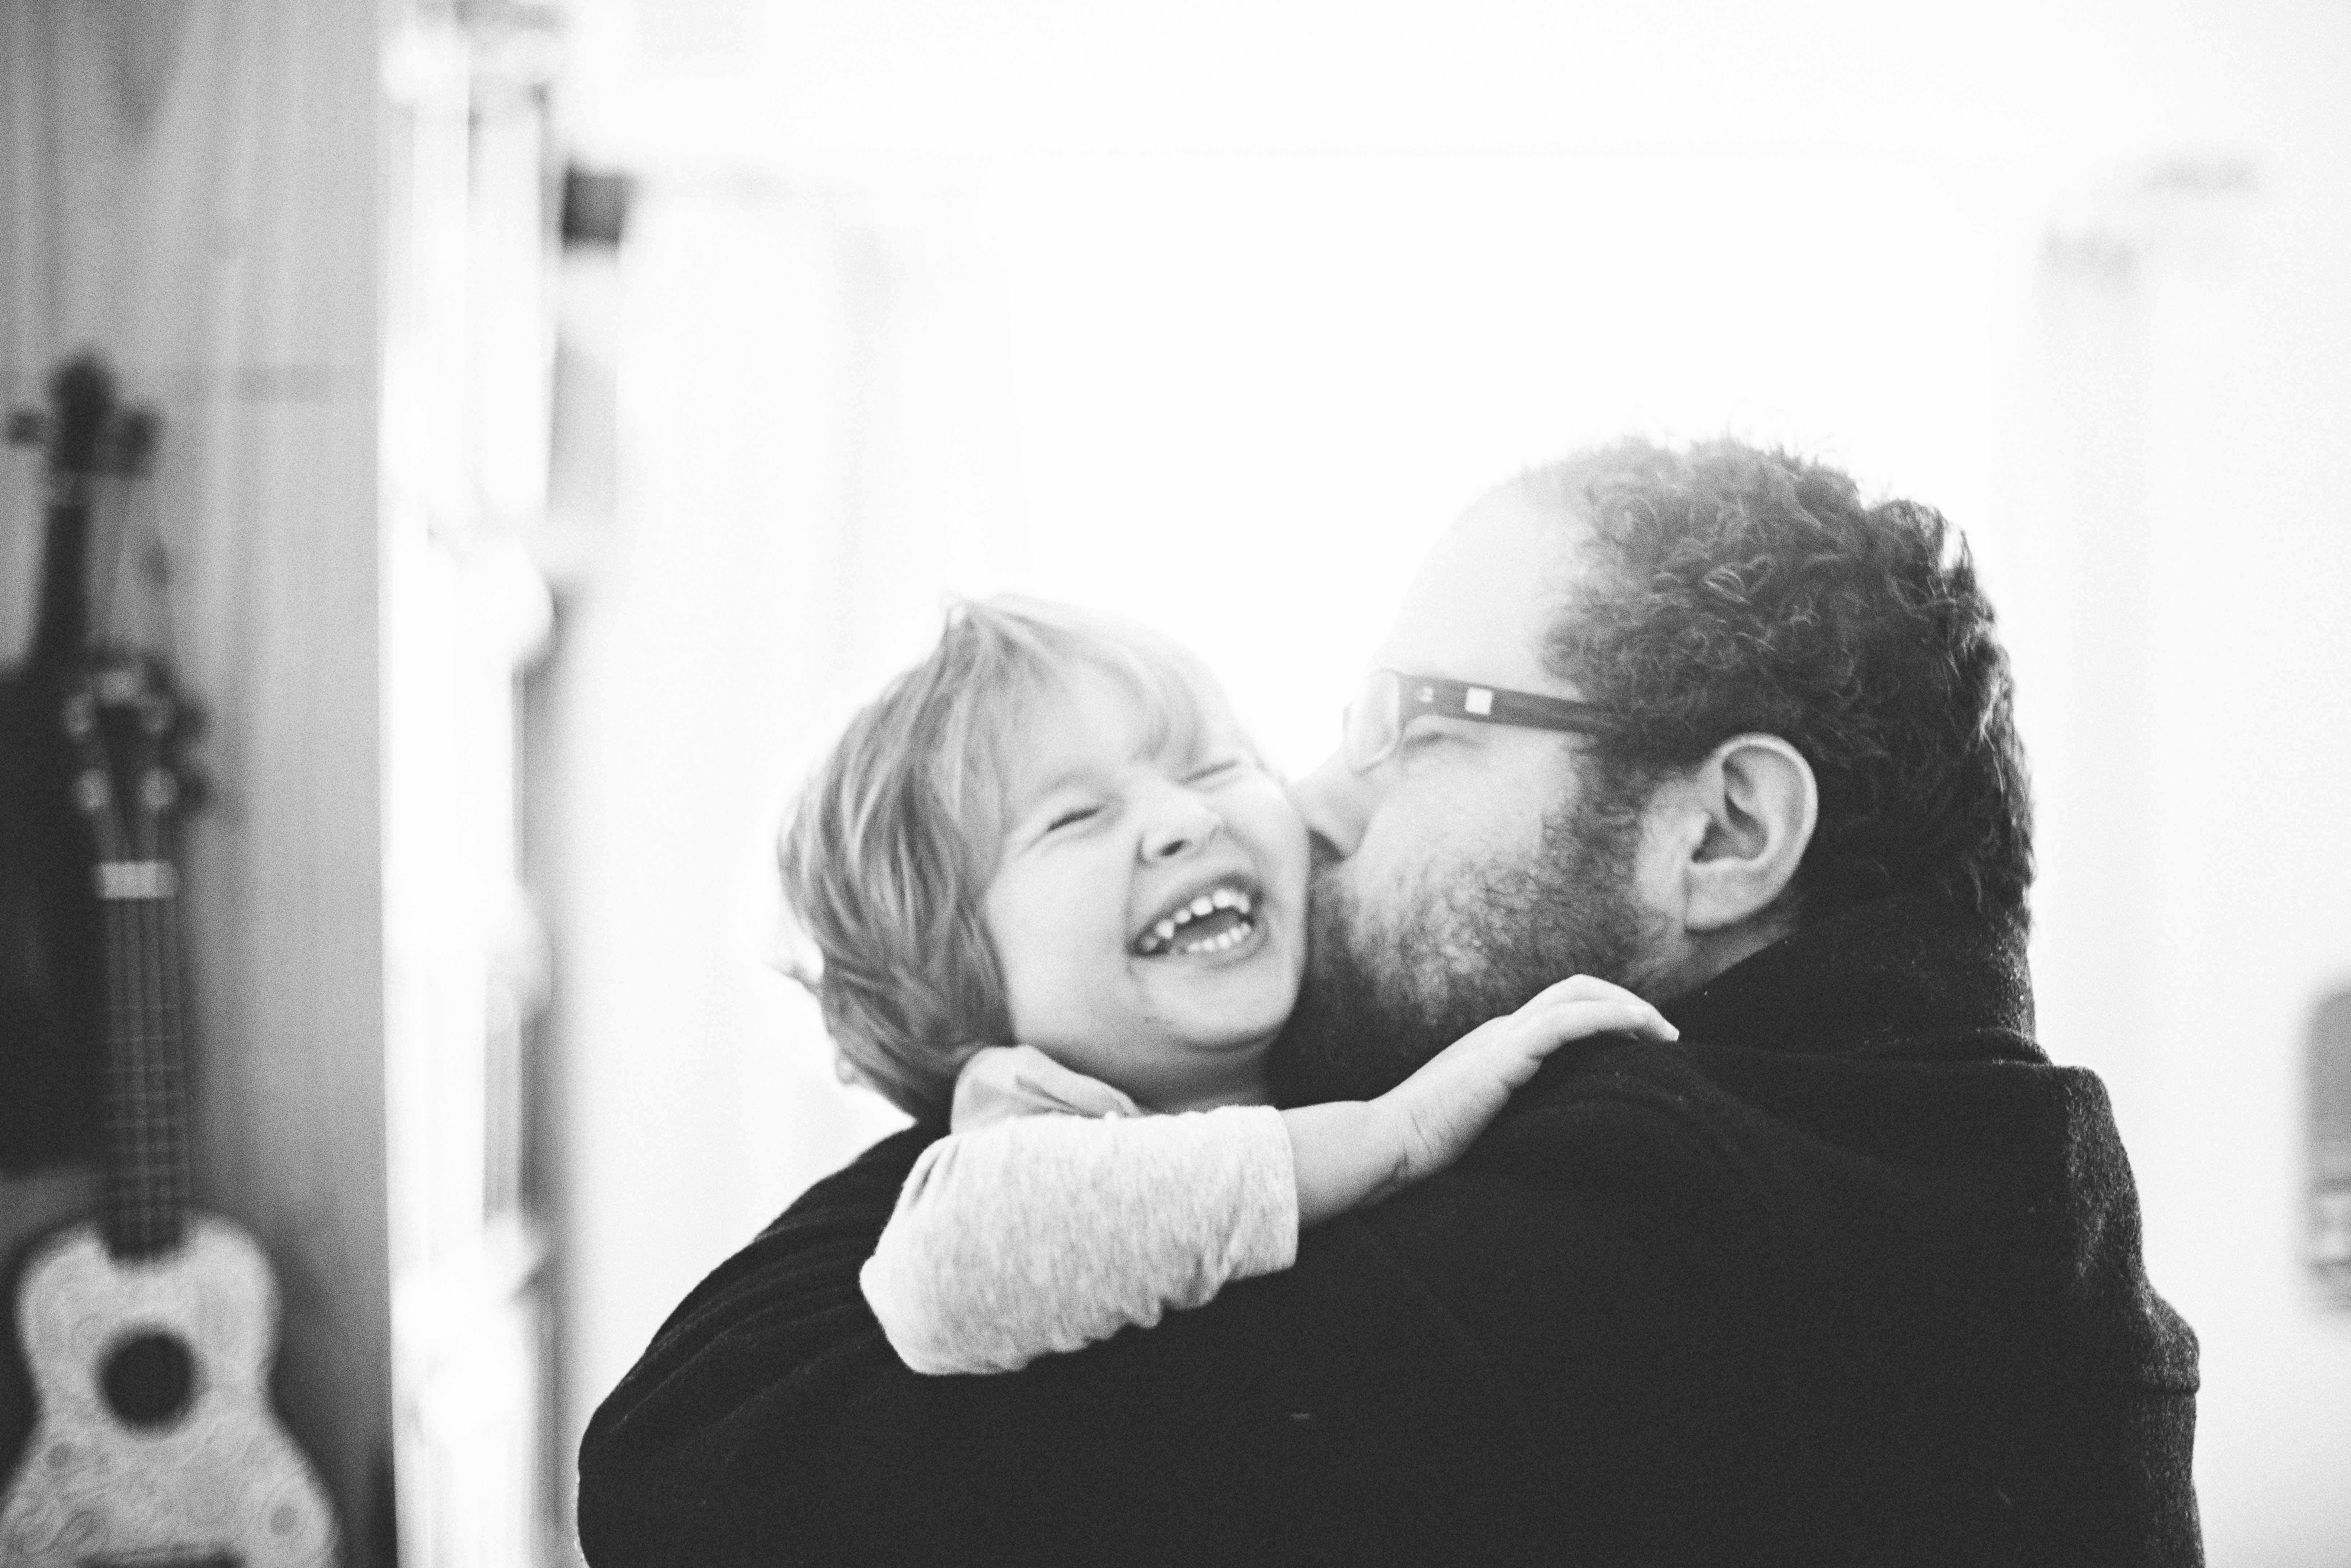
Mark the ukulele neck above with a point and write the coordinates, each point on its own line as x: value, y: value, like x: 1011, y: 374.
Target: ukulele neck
x: 147, y: 1188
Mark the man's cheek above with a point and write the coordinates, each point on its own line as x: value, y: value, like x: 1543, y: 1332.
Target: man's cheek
x: 1400, y: 869
x: 1379, y: 880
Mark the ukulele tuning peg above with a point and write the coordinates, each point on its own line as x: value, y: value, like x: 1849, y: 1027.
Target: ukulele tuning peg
x: 158, y: 790
x: 91, y: 791
x: 25, y: 427
x: 80, y: 713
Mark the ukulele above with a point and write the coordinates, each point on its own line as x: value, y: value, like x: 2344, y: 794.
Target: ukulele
x: 148, y: 1331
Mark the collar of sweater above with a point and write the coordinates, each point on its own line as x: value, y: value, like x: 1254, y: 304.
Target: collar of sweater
x: 1875, y: 977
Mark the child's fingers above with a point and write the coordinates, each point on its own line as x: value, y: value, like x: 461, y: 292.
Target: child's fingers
x: 1511, y: 1048
x: 1584, y: 991
x: 1575, y: 988
x: 1546, y: 1029
x: 1575, y: 1009
x: 1606, y: 1015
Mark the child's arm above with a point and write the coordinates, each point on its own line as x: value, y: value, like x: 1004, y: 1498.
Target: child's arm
x: 1048, y: 1232
x: 1352, y: 1153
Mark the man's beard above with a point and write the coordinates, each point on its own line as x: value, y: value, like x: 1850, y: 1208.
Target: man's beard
x: 1387, y: 990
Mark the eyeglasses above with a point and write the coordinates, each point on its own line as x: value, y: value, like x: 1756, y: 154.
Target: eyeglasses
x: 1389, y: 700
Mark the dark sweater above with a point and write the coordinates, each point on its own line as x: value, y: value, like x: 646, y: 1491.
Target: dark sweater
x: 1851, y: 1275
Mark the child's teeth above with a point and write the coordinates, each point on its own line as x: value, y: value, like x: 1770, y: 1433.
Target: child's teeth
x: 1219, y: 944
x: 1232, y: 898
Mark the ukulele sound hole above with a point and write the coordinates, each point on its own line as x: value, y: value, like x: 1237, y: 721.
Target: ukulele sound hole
x: 149, y: 1379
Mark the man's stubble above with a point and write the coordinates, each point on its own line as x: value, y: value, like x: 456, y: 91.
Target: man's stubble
x: 1386, y: 990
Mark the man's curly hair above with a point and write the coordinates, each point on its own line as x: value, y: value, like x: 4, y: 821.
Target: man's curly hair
x: 1729, y: 589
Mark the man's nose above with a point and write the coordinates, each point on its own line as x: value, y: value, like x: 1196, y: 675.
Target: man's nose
x: 1336, y: 804
x: 1179, y: 824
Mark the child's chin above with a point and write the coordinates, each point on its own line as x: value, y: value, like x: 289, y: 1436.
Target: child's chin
x: 1237, y: 1030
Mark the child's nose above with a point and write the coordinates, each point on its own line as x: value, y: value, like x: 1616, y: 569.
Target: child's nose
x: 1183, y: 824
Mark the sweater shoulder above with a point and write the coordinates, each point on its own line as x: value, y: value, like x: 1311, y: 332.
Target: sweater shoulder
x: 1634, y: 1128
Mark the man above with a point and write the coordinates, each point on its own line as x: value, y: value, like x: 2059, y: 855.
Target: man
x: 1850, y: 1274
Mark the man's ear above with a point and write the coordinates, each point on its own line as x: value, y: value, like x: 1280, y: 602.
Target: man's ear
x: 1755, y: 803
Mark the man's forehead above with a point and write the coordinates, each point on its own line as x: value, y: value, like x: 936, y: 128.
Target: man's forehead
x: 1478, y: 607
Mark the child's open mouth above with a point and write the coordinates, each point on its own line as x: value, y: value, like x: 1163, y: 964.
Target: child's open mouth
x: 1214, y: 920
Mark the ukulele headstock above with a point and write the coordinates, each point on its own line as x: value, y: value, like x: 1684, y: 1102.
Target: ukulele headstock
x: 128, y: 728
x: 85, y: 433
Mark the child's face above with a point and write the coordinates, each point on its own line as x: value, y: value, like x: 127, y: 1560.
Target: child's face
x: 1149, y: 910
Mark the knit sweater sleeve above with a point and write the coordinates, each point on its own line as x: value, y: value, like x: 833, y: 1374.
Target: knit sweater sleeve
x: 1044, y: 1233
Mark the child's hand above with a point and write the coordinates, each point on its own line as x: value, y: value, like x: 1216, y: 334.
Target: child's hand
x: 1439, y: 1112
x: 1353, y: 1152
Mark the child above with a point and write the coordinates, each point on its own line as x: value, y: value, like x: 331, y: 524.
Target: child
x: 1058, y: 900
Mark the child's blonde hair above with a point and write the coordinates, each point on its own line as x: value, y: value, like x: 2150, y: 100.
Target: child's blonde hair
x: 895, y: 837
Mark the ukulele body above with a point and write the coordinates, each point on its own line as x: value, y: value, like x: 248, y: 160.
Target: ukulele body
x: 155, y: 1445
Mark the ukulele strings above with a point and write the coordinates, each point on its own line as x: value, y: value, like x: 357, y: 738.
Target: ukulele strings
x: 150, y: 1137
x: 163, y: 919
x: 130, y: 1070
x: 127, y: 1067
x: 159, y: 1104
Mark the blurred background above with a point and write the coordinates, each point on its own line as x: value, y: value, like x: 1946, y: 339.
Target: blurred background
x: 572, y: 413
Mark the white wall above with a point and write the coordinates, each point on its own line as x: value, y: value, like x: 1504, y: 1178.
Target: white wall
x: 2172, y: 560
x: 794, y: 496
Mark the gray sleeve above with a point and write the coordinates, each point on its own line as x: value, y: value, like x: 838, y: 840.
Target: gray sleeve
x: 1045, y: 1233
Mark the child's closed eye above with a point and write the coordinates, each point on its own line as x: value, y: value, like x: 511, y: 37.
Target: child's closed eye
x: 1070, y: 815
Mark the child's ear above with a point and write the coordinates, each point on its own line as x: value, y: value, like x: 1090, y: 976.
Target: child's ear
x: 1756, y: 804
